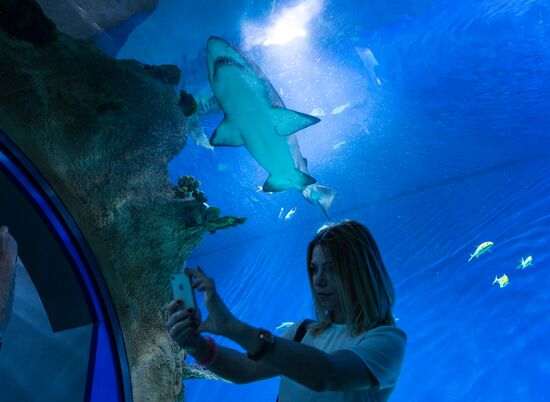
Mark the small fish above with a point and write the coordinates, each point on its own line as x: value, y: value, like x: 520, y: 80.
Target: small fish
x: 223, y: 167
x: 281, y: 213
x: 502, y: 281
x: 284, y: 325
x: 482, y: 248
x: 318, y: 112
x: 525, y: 263
x: 340, y: 108
x: 259, y: 188
x: 290, y: 214
x: 336, y: 146
x: 195, y: 130
x: 369, y: 61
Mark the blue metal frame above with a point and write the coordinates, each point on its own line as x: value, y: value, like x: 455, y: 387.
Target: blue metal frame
x: 108, y: 372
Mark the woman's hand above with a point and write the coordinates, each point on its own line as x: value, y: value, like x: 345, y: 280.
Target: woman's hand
x: 182, y: 325
x: 220, y: 320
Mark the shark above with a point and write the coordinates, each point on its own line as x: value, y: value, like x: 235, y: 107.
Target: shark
x: 255, y: 117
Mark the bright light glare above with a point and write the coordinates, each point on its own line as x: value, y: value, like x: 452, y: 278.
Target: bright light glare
x: 283, y: 33
x: 289, y: 24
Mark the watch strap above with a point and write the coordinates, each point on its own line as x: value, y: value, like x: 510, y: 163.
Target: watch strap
x: 266, y: 345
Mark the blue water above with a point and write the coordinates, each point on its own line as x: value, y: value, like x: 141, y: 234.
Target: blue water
x: 451, y: 150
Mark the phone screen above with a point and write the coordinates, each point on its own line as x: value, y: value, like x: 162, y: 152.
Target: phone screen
x: 182, y: 290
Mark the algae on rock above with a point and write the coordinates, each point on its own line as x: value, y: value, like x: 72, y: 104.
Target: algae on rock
x: 102, y: 132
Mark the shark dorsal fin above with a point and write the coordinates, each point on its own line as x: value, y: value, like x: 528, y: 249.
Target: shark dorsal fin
x: 288, y: 121
x: 226, y: 135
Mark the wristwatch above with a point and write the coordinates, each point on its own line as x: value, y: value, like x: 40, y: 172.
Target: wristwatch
x: 267, y: 343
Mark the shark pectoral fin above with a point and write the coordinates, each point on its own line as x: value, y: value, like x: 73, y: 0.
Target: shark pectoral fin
x: 275, y: 184
x: 301, y: 180
x: 298, y: 180
x: 226, y: 135
x: 288, y: 121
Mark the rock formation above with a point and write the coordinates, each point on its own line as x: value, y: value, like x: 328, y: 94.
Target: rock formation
x: 102, y: 132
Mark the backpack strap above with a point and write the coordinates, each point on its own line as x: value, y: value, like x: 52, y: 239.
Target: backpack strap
x: 300, y: 333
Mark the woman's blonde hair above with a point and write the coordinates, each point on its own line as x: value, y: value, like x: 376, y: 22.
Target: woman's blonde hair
x: 364, y: 288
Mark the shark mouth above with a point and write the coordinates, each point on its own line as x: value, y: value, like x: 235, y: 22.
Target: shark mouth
x: 225, y: 61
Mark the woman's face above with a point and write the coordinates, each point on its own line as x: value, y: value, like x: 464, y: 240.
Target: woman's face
x: 323, y: 279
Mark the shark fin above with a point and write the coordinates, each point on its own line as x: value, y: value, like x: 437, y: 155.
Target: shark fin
x: 288, y: 121
x: 326, y: 196
x: 278, y: 183
x: 320, y: 195
x: 226, y: 135
x: 301, y: 179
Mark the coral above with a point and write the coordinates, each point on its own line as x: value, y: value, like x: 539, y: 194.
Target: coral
x: 216, y: 223
x: 187, y: 189
x: 187, y: 103
x: 186, y: 186
x: 102, y: 132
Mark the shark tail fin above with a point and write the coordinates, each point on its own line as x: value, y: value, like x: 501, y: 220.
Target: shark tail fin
x: 288, y: 121
x: 326, y: 196
x: 226, y: 135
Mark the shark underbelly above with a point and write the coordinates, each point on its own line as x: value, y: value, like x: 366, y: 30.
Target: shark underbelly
x: 270, y: 150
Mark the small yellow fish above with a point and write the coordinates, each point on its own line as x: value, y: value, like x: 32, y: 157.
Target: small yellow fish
x: 482, y: 248
x: 290, y: 214
x: 525, y: 263
x: 502, y: 281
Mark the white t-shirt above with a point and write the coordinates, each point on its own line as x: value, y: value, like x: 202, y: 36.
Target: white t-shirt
x: 382, y: 349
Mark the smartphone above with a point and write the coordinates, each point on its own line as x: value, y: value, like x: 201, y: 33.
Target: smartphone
x: 182, y: 290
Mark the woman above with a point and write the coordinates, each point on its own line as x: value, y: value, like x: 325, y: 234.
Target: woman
x: 353, y: 352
